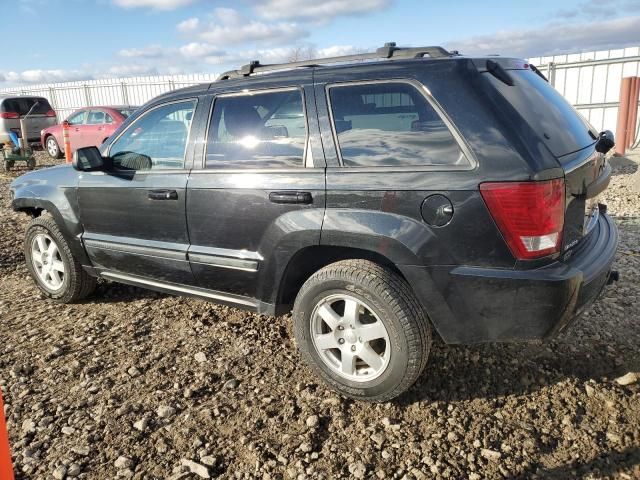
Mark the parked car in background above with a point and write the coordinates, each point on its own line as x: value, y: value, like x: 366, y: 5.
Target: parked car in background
x: 14, y: 108
x: 89, y: 126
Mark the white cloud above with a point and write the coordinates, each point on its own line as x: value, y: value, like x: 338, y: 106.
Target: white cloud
x: 43, y: 76
x: 316, y: 11
x: 151, y: 51
x: 155, y: 4
x: 554, y: 38
x: 227, y: 26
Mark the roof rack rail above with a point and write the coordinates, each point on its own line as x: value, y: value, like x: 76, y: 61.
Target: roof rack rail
x: 390, y: 50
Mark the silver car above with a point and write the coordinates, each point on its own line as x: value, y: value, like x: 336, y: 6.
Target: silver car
x: 13, y: 108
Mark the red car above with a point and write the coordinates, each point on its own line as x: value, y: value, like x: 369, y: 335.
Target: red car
x: 87, y: 126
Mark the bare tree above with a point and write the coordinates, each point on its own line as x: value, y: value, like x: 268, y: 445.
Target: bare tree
x: 300, y: 54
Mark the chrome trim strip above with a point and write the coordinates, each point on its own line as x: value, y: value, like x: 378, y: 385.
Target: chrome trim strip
x: 135, y: 249
x: 224, y: 262
x: 180, y: 289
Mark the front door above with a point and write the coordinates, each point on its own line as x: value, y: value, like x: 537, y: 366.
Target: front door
x: 76, y: 130
x: 133, y: 214
x: 258, y: 194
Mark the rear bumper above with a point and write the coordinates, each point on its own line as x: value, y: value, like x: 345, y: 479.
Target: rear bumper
x: 473, y: 305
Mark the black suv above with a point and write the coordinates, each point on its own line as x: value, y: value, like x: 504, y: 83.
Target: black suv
x: 374, y: 195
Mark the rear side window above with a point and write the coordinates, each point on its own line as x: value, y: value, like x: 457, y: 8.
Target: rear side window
x: 259, y: 130
x: 390, y: 124
x: 22, y: 105
x: 96, y: 117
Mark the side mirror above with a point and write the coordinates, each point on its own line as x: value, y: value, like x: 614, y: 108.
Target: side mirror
x: 88, y: 159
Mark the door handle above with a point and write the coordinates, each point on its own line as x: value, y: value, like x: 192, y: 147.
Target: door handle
x: 163, y: 194
x: 291, y: 197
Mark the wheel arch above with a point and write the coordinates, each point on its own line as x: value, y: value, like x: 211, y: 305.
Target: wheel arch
x: 309, y: 260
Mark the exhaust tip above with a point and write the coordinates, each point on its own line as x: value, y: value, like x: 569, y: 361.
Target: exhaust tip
x: 614, y: 276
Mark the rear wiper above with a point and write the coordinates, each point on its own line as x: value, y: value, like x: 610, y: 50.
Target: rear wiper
x: 535, y: 70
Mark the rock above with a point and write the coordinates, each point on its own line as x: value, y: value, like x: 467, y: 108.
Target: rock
x: 142, y: 424
x: 627, y: 379
x: 68, y: 430
x: 123, y: 463
x: 357, y: 469
x: 200, y: 357
x: 28, y: 426
x: 233, y: 383
x: 196, y: 468
x: 133, y: 372
x: 474, y: 476
x: 312, y: 421
x: 82, y: 451
x: 165, y: 411
x: 305, y: 447
x: 452, y: 437
x: 589, y: 390
x: 614, y: 438
x: 378, y: 439
x: 208, y: 460
x: 490, y: 454
x: 73, y: 470
x: 60, y: 472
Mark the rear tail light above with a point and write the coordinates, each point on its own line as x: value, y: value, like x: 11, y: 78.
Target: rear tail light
x: 530, y: 215
x: 51, y: 113
x: 7, y: 115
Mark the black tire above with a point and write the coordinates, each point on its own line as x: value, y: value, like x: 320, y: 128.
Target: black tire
x: 55, y: 148
x: 395, y: 305
x: 76, y: 283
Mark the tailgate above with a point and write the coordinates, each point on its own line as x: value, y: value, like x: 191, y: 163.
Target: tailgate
x: 587, y: 175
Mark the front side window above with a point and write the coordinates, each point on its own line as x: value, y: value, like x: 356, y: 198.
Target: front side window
x: 266, y: 129
x: 157, y: 139
x: 390, y: 124
x: 77, y: 118
x: 96, y: 117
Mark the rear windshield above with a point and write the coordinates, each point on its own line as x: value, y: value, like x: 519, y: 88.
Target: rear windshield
x: 562, y: 128
x: 125, y: 112
x: 22, y: 105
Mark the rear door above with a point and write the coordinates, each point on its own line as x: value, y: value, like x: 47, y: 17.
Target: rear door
x: 258, y: 194
x: 40, y: 114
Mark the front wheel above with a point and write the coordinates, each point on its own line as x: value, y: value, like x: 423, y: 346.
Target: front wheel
x: 52, y: 147
x: 361, y: 329
x: 52, y: 265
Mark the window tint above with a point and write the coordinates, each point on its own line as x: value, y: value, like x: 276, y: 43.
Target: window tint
x: 125, y: 112
x: 77, y: 118
x: 22, y: 105
x: 390, y: 124
x: 107, y: 118
x: 96, y: 117
x: 257, y: 131
x: 158, y: 139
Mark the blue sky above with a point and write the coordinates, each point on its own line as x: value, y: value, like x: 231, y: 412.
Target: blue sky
x: 82, y: 39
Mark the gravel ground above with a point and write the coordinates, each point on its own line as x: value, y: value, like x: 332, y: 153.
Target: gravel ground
x: 134, y: 384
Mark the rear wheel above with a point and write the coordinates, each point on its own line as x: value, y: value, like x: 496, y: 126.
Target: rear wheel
x: 52, y: 147
x: 360, y: 327
x: 52, y: 265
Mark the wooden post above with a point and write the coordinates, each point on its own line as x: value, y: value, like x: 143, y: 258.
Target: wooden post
x: 24, y: 139
x: 623, y: 113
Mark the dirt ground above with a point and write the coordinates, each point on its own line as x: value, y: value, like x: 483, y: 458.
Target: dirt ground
x: 134, y: 384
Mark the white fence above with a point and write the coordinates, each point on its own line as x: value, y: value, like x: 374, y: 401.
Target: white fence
x: 67, y: 97
x: 591, y: 81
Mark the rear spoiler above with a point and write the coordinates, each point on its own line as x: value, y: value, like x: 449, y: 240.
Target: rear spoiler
x: 499, y: 67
